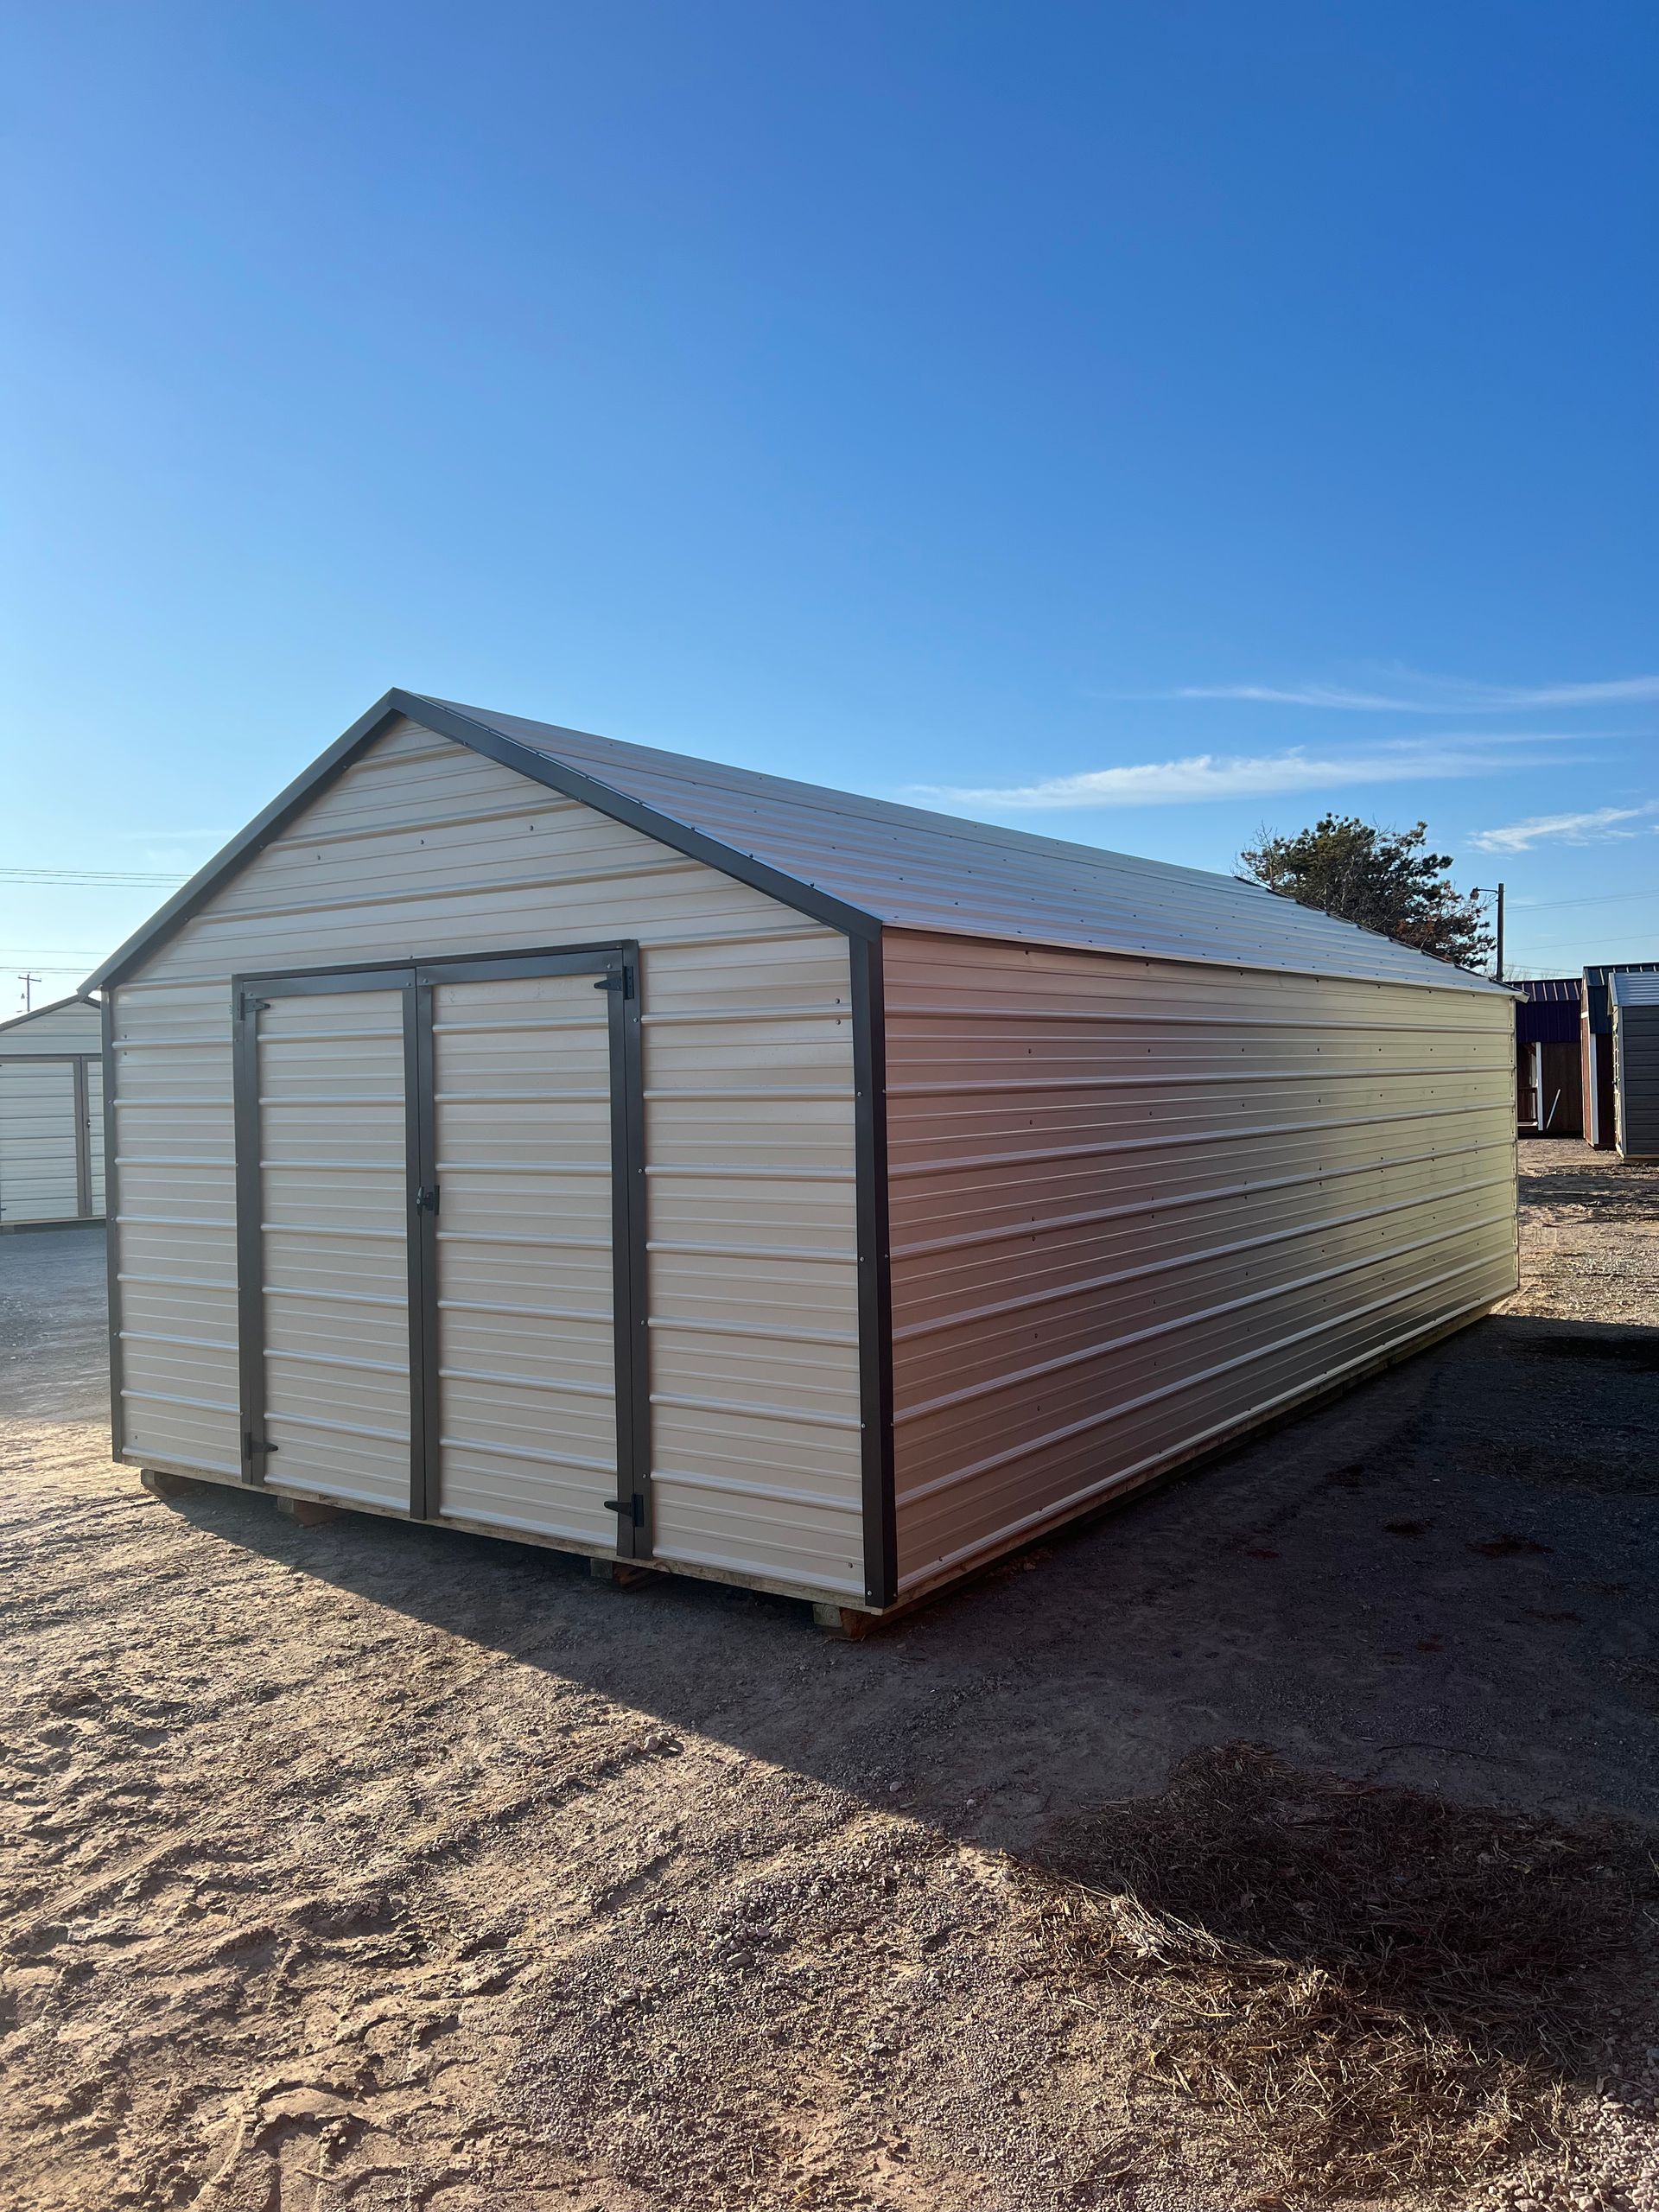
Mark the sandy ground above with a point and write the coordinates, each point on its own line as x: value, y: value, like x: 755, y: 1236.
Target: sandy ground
x: 367, y: 1865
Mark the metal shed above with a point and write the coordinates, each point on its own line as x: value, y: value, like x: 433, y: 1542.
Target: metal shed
x: 52, y: 1117
x: 1549, y: 1084
x: 1635, y: 1004
x: 1600, y: 1090
x: 569, y: 1140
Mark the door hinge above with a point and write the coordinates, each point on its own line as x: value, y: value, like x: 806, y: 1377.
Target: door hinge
x: 426, y: 1199
x: 618, y: 979
x: 630, y: 1508
x: 252, y: 1447
x: 254, y: 1006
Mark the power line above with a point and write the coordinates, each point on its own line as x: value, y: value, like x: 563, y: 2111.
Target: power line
x: 1572, y: 943
x: 84, y: 875
x: 1600, y: 899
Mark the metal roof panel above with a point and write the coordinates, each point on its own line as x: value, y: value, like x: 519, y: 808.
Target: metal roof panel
x: 915, y: 869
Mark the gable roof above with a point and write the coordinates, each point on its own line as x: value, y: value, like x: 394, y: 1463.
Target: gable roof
x: 860, y: 863
x: 39, y: 1012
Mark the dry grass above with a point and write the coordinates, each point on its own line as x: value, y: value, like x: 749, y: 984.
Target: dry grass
x: 1383, y: 1988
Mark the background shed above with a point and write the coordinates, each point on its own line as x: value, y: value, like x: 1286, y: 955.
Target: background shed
x: 1549, y: 1099
x: 1600, y: 1089
x: 568, y: 1140
x: 51, y: 1116
x: 1635, y: 997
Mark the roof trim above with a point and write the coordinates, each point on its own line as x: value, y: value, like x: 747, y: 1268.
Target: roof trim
x: 75, y: 998
x: 538, y: 767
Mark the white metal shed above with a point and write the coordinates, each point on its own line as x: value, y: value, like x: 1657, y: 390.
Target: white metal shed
x: 569, y: 1140
x: 51, y: 1117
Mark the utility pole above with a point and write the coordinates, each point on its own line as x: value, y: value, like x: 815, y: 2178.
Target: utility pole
x: 1497, y: 892
x: 29, y: 983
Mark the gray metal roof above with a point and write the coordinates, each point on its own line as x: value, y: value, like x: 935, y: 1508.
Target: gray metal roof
x: 856, y: 863
x: 914, y: 869
x: 1634, y: 987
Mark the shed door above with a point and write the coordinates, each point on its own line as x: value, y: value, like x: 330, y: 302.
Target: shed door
x: 436, y: 1243
x: 38, y: 1178
x: 331, y: 1138
x: 526, y: 1416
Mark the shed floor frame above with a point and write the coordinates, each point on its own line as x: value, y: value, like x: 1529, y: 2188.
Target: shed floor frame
x: 615, y: 968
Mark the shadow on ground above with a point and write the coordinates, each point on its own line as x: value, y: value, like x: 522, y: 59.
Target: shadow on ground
x: 473, y: 1874
x: 1447, y: 1578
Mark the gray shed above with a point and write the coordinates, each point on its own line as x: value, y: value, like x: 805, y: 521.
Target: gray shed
x: 52, y: 1117
x: 1635, y: 997
x: 571, y: 1141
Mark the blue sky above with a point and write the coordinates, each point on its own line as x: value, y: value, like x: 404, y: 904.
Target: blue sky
x: 1137, y: 422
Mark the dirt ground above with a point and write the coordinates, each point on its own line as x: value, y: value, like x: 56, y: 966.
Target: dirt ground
x: 366, y: 1865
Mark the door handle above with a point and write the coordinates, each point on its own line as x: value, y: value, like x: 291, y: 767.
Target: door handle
x: 426, y: 1199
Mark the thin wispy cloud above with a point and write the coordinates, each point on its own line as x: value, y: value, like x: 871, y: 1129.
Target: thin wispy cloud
x: 1201, y: 776
x: 1409, y: 694
x: 1598, y: 826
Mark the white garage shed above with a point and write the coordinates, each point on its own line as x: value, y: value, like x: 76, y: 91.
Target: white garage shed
x: 52, y: 1117
x: 568, y: 1140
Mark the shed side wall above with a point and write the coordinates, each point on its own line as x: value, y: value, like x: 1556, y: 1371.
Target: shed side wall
x: 1635, y: 1044
x: 422, y: 850
x: 1136, y: 1203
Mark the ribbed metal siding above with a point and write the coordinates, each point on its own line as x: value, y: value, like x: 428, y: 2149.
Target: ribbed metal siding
x: 37, y: 1141
x: 40, y: 1176
x: 423, y: 849
x: 72, y: 1026
x: 335, y: 1215
x: 753, y: 1239
x: 921, y: 870
x: 1635, y: 1052
x: 526, y: 1323
x: 1136, y: 1203
x: 175, y: 1226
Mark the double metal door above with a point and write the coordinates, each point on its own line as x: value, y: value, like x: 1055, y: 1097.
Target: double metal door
x: 440, y: 1196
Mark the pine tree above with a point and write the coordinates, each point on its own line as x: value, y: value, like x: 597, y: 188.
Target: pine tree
x: 1383, y: 878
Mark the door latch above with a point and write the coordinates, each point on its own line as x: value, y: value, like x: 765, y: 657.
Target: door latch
x: 630, y: 1508
x: 426, y: 1199
x: 252, y: 1446
x: 617, y: 979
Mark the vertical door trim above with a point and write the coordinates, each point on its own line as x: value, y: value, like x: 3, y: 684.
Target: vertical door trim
x: 628, y: 1289
x: 250, y: 1232
x: 421, y: 1169
x: 113, y: 1233
x: 83, y: 1143
x: 874, y: 1271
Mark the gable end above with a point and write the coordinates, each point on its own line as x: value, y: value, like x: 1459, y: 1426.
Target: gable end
x: 538, y: 767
